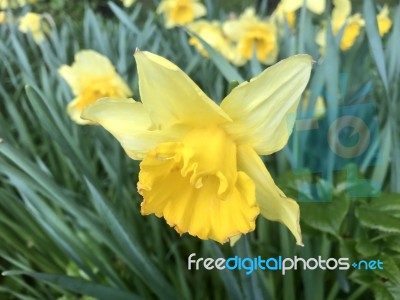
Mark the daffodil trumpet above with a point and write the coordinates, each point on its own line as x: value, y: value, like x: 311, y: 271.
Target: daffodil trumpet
x: 200, y: 166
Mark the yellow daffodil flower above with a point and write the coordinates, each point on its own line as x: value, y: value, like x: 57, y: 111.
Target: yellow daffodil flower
x: 32, y: 23
x: 315, y: 6
x: 280, y: 16
x: 3, y: 17
x: 384, y: 22
x: 128, y: 3
x: 212, y: 34
x: 4, y: 4
x: 201, y: 170
x: 352, y: 24
x: 253, y: 35
x: 91, y: 77
x: 180, y: 12
x: 341, y: 18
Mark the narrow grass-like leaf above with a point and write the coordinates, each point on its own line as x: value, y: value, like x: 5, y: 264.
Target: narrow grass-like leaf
x: 227, y: 277
x: 77, y: 285
x: 375, y: 41
x: 123, y: 17
x: 143, y: 266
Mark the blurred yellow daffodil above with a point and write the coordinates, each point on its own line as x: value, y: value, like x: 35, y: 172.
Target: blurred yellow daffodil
x: 342, y: 20
x: 352, y: 24
x: 3, y: 17
x: 201, y: 170
x: 180, y: 12
x: 316, y: 6
x: 128, y: 3
x: 384, y: 22
x: 4, y: 4
x: 91, y: 77
x: 253, y: 35
x: 210, y: 32
x: 280, y: 16
x: 32, y: 23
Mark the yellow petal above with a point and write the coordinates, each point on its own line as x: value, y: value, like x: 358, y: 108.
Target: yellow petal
x: 195, y: 186
x: 74, y: 112
x: 316, y: 6
x: 171, y: 97
x: 273, y: 203
x: 199, y: 10
x: 129, y: 123
x: 341, y: 10
x: 291, y: 5
x: 180, y: 12
x: 263, y: 109
x: 351, y: 31
x: 384, y: 22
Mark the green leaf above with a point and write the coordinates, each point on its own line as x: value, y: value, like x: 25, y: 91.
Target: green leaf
x: 393, y: 243
x: 381, y: 292
x: 391, y: 268
x: 365, y: 247
x: 123, y: 17
x: 374, y: 219
x: 142, y: 264
x: 386, y: 203
x: 78, y: 285
x: 227, y: 278
x: 393, y: 49
x: 375, y: 41
x: 327, y: 216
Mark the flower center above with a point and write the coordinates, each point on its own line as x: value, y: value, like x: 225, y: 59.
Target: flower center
x: 195, y: 185
x: 96, y: 89
x: 183, y: 12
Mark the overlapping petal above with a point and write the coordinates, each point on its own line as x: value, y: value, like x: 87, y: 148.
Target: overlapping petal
x: 265, y: 106
x: 130, y: 124
x: 171, y: 97
x: 273, y: 203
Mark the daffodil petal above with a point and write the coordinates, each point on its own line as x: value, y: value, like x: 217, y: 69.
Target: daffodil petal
x: 75, y: 113
x: 291, y: 5
x: 273, y: 203
x: 199, y: 10
x: 316, y: 6
x: 171, y: 97
x: 263, y: 110
x: 197, y: 208
x: 129, y: 122
x: 341, y: 10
